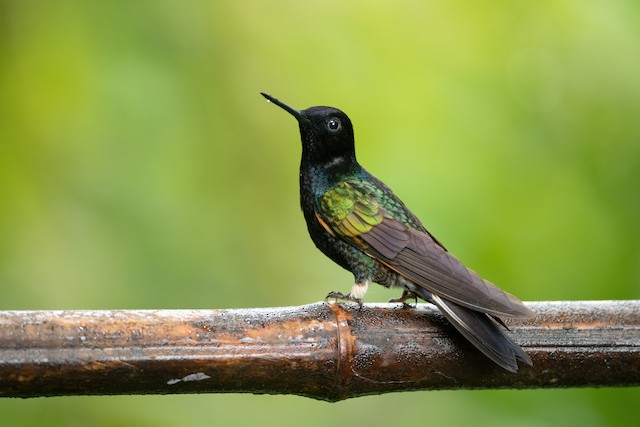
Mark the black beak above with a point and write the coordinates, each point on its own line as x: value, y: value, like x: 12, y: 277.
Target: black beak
x: 295, y: 113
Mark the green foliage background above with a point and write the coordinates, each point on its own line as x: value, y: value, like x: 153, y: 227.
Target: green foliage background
x: 139, y: 168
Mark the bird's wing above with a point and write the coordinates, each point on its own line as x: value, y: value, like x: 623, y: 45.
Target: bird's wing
x: 352, y: 212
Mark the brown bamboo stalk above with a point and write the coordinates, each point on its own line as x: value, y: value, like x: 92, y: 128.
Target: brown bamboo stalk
x: 324, y: 351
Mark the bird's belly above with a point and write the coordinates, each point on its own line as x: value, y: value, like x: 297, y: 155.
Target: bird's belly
x: 390, y: 279
x: 338, y: 251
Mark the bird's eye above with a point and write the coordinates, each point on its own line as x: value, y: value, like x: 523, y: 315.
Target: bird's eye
x: 334, y: 125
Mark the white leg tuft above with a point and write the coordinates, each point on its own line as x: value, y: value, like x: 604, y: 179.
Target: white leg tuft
x: 359, y: 289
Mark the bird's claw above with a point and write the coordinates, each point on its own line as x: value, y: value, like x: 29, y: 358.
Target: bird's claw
x: 336, y: 295
x: 340, y: 296
x: 403, y: 299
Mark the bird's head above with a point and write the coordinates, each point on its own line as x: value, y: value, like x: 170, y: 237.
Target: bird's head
x: 326, y: 133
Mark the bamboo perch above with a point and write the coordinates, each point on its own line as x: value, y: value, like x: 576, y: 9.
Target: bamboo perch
x: 324, y: 351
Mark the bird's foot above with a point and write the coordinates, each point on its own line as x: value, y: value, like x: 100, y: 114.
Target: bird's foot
x: 340, y: 296
x: 403, y: 299
x: 336, y: 296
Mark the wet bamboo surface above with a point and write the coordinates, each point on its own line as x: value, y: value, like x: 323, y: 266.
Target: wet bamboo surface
x: 323, y: 351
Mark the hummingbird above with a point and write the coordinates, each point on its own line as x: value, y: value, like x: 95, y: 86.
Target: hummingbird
x: 360, y: 224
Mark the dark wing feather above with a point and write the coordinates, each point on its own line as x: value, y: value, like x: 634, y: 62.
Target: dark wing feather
x: 415, y: 255
x: 352, y: 211
x: 484, y: 333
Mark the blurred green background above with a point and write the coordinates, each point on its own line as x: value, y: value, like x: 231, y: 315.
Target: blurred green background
x: 140, y: 168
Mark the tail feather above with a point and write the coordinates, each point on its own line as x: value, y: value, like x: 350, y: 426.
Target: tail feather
x: 484, y: 333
